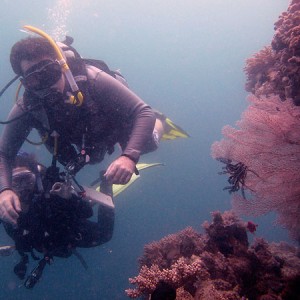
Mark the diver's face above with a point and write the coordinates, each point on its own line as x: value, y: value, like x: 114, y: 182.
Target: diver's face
x: 42, y: 74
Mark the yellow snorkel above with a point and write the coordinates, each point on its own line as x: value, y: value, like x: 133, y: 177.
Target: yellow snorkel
x: 77, y: 97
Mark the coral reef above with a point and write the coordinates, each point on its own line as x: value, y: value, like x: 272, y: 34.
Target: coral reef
x: 267, y: 141
x: 275, y: 69
x: 262, y: 155
x: 219, y: 264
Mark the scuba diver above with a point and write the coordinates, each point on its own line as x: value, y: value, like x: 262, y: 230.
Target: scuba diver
x: 81, y: 112
x: 54, y: 219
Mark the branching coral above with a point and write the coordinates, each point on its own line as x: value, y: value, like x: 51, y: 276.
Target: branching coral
x: 179, y: 274
x: 183, y: 244
x: 220, y: 266
x: 275, y: 69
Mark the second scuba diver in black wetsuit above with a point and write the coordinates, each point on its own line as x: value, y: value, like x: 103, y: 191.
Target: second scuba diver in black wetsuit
x: 52, y: 223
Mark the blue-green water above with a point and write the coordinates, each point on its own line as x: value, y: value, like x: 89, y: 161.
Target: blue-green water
x: 183, y: 57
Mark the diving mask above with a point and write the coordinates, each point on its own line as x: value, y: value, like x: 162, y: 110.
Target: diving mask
x: 42, y: 75
x: 23, y: 182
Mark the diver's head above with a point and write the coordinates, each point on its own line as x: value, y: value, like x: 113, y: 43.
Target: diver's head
x: 23, y: 183
x: 34, y: 59
x: 31, y: 49
x: 24, y: 176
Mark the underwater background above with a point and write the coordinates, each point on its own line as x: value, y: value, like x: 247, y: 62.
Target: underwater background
x: 186, y: 59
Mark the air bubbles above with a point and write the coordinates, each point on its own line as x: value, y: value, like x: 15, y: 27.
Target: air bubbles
x: 58, y: 17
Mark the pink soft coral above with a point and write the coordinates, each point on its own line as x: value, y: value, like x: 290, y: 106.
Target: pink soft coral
x: 267, y: 142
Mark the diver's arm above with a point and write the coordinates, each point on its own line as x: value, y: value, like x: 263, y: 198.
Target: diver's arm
x: 134, y: 118
x: 13, y: 136
x: 11, y: 140
x: 126, y: 107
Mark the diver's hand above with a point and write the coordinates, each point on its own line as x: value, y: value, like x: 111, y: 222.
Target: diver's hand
x: 10, y: 207
x: 120, y: 170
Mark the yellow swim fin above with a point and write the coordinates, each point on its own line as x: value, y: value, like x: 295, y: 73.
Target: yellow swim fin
x: 173, y: 131
x: 119, y: 188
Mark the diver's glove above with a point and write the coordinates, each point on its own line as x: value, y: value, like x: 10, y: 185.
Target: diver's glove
x: 62, y: 189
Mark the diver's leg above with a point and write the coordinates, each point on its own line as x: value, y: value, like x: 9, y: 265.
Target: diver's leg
x: 159, y: 130
x: 93, y: 234
x: 21, y: 267
x: 106, y: 220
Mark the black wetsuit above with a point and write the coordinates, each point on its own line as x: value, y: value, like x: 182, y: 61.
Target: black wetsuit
x: 110, y: 114
x: 56, y: 226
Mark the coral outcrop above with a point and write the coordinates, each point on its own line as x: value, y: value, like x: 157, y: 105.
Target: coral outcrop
x: 276, y: 68
x: 219, y: 264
